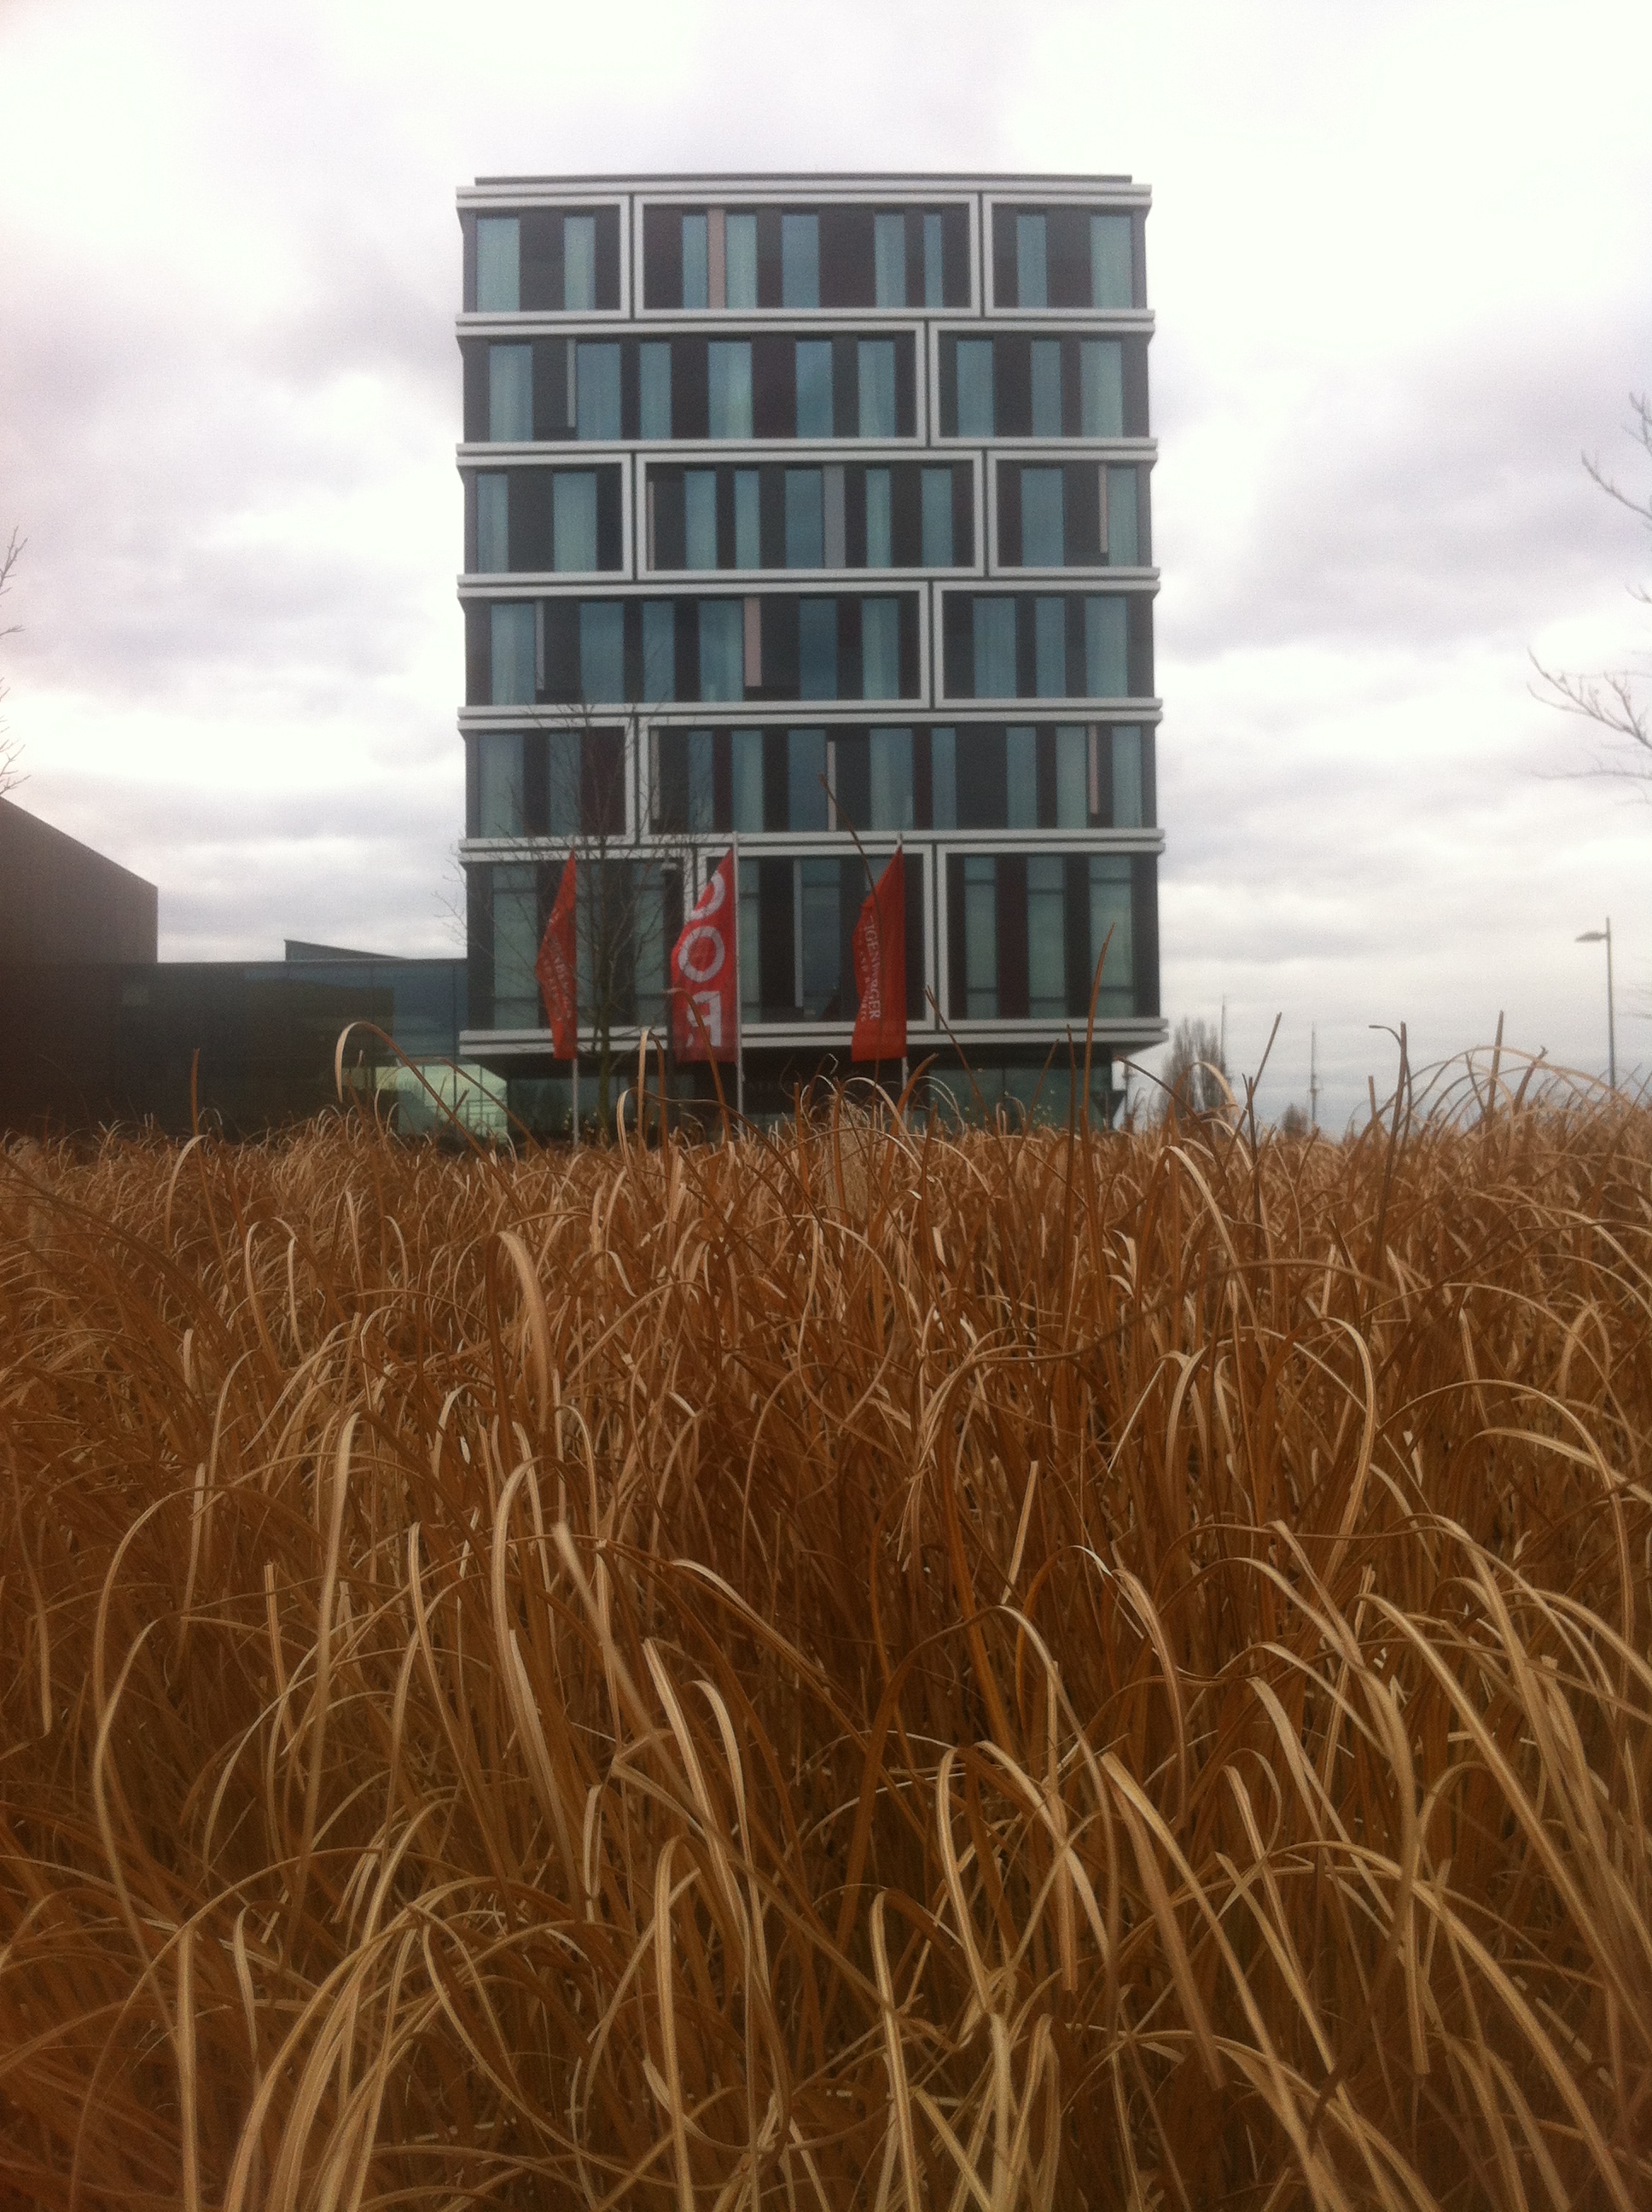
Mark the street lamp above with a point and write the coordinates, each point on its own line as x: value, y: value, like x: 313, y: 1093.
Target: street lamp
x: 1604, y: 936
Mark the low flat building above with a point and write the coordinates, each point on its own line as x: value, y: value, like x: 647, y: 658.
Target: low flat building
x: 59, y: 899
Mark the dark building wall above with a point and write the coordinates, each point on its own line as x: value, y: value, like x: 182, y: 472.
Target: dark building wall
x: 60, y: 901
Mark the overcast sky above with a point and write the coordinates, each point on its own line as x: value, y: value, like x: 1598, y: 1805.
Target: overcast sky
x: 1401, y: 259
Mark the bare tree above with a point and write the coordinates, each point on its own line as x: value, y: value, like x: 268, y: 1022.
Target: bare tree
x: 1612, y: 700
x: 1193, y: 1069
x: 8, y: 561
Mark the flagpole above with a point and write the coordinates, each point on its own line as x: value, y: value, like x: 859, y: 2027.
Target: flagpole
x: 739, y: 991
x: 901, y: 850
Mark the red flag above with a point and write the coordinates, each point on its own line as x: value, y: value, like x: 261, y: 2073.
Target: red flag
x: 558, y: 975
x: 880, y: 969
x: 705, y: 987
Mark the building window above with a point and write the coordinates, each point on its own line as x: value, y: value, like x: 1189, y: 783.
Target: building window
x: 499, y: 784
x: 1106, y: 658
x: 937, y: 552
x: 498, y: 265
x: 748, y: 519
x: 1031, y: 261
x: 596, y: 391
x: 659, y: 649
x: 510, y: 394
x: 516, y: 946
x: 1127, y: 780
x: 1049, y: 648
x: 891, y: 788
x: 747, y: 786
x: 513, y: 653
x: 834, y: 520
x: 696, y: 264
x: 701, y: 792
x: 580, y: 263
x: 981, y: 937
x: 493, y: 528
x: 1111, y: 282
x: 1021, y: 777
x: 805, y: 789
x: 722, y: 649
x: 1072, y: 777
x: 819, y: 955
x: 804, y: 519
x: 890, y: 259
x: 934, y: 261
x: 877, y: 373
x: 1047, y: 387
x: 814, y: 388
x: 574, y: 518
x: 740, y: 231
x: 880, y: 531
x: 880, y: 649
x: 799, y: 261
x: 817, y: 648
x: 1047, y: 937
x: 1043, y: 532
x: 1119, y: 518
x: 1110, y: 910
x: 729, y: 387
x: 943, y: 779
x: 994, y: 644
x: 655, y: 394
x: 700, y: 518
x: 1100, y: 387
x: 975, y: 410
x: 602, y: 649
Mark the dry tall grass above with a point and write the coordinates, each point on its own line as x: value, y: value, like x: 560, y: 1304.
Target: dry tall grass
x: 857, y: 1669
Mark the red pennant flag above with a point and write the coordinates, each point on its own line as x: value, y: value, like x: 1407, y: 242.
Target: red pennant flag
x: 558, y: 975
x: 880, y: 969
x: 705, y: 987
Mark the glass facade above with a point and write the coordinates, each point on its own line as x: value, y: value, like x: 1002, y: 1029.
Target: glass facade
x: 864, y: 546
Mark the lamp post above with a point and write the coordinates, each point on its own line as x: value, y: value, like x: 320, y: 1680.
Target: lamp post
x: 1604, y: 936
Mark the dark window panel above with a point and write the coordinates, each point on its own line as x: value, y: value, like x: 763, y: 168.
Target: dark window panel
x: 479, y: 939
x: 1012, y: 380
x: 472, y: 786
x: 777, y: 796
x: 630, y: 390
x: 964, y: 516
x: 1044, y: 773
x: 779, y: 647
x: 1012, y: 936
x: 1068, y: 248
x: 1072, y: 390
x: 959, y: 646
x: 846, y: 258
x: 478, y: 656
x: 914, y: 935
x: 1144, y: 919
x: 1143, y: 519
x: 1081, y: 961
x: 906, y: 385
x: 610, y: 525
x: 853, y: 782
x: 722, y: 780
x: 777, y: 982
x: 1148, y: 774
x: 775, y: 387
x: 955, y: 980
x: 670, y: 527
x: 910, y: 674
x: 690, y: 389
x: 845, y: 1003
x: 467, y: 247
x: 602, y: 783
x: 631, y: 642
x: 850, y: 680
x: 983, y: 779
x: 528, y: 519
x: 907, y: 515
x: 914, y: 257
x: 536, y: 784
x: 685, y: 672
x: 955, y: 229
x: 542, y: 259
x: 671, y: 784
x: 923, y: 781
x: 608, y: 257
x: 1135, y: 386
x: 662, y: 256
x: 468, y: 480
x: 1140, y: 645
x: 1138, y: 258
x: 949, y: 391
x: 771, y: 516
x: 768, y: 257
x: 550, y: 418
x: 846, y: 387
x: 562, y: 620
x: 1078, y: 668
x: 1009, y: 513
x: 854, y: 516
x: 473, y: 356
x: 1005, y: 291
x: 1026, y: 647
x: 1081, y: 507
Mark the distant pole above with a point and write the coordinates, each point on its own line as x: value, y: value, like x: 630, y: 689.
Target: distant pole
x: 739, y: 987
x: 1312, y: 1077
x: 1222, y: 1048
x: 1604, y: 936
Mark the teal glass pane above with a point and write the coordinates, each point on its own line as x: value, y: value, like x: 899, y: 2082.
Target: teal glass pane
x: 722, y: 649
x: 748, y: 519
x: 820, y: 935
x: 579, y: 263
x: 513, y: 636
x: 696, y: 264
x: 1106, y: 658
x: 1127, y: 800
x: 1047, y: 387
x: 937, y: 518
x: 804, y: 519
x: 1049, y: 648
x: 1101, y: 388
x: 729, y: 387
x: 1043, y: 534
x: 891, y: 779
x: 700, y: 516
x: 1047, y: 937
x: 806, y: 792
x: 1111, y: 282
x: 1110, y: 910
x: 876, y: 358
x: 655, y: 360
x: 602, y: 649
x: 659, y: 649
x: 880, y: 536
x: 1020, y: 776
x: 943, y: 779
x: 493, y: 534
x: 702, y: 787
x: 934, y: 263
x: 814, y: 388
x: 499, y: 783
x: 994, y: 629
x: 574, y: 518
x: 976, y: 404
x: 1072, y: 777
x: 740, y: 246
x: 981, y: 937
x: 1031, y: 261
x: 799, y: 261
x: 880, y: 649
x: 597, y: 386
x: 748, y: 788
x: 817, y: 648
x: 498, y: 265
x: 1122, y: 548
x: 890, y: 259
x: 510, y: 394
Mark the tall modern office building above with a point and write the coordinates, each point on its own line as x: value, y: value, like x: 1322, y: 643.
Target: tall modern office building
x: 795, y: 505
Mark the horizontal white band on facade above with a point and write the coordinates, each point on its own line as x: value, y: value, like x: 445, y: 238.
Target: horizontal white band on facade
x: 836, y: 188
x: 811, y: 714
x: 1132, y: 1033
x: 776, y: 583
x: 558, y: 452
x: 808, y: 844
x: 776, y: 322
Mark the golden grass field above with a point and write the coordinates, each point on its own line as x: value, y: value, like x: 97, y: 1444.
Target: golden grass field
x: 858, y: 1669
